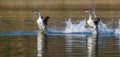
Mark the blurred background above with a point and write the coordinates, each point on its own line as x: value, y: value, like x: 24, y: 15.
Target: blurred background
x: 69, y: 8
x: 20, y: 11
x: 58, y: 4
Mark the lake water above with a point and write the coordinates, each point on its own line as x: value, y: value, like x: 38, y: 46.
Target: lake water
x: 19, y: 37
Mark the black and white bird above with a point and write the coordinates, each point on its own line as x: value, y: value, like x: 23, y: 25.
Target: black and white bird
x: 93, y: 21
x: 40, y: 21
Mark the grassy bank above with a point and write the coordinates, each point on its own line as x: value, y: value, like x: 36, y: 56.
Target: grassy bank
x: 58, y: 10
x: 58, y: 4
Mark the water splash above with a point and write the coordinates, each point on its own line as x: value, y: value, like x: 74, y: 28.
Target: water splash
x: 117, y: 30
x: 76, y: 29
x: 80, y: 28
x: 102, y: 28
x: 73, y: 28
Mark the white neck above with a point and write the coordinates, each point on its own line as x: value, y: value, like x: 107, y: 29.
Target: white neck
x: 90, y: 17
x: 94, y: 13
x: 39, y: 16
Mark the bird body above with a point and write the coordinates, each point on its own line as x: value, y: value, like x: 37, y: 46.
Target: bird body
x: 91, y: 23
x: 40, y: 22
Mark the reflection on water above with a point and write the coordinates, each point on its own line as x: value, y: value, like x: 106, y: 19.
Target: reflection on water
x: 92, y: 45
x: 41, y: 45
x: 40, y: 39
x: 77, y: 46
x: 59, y: 45
x: 18, y: 46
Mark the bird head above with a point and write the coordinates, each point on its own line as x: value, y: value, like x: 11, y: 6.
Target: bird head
x: 88, y: 10
x: 36, y: 11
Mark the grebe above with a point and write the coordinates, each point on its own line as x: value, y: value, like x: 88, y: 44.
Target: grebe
x: 40, y: 22
x: 93, y: 22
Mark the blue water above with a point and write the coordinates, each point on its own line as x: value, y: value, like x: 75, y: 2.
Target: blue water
x: 20, y: 33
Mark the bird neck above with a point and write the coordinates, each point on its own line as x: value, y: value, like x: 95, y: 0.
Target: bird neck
x: 39, y: 16
x: 90, y: 16
x: 94, y: 13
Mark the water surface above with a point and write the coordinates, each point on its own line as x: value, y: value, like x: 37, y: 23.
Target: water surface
x: 19, y: 36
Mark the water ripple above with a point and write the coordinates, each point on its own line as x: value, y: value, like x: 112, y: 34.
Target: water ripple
x: 20, y: 33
